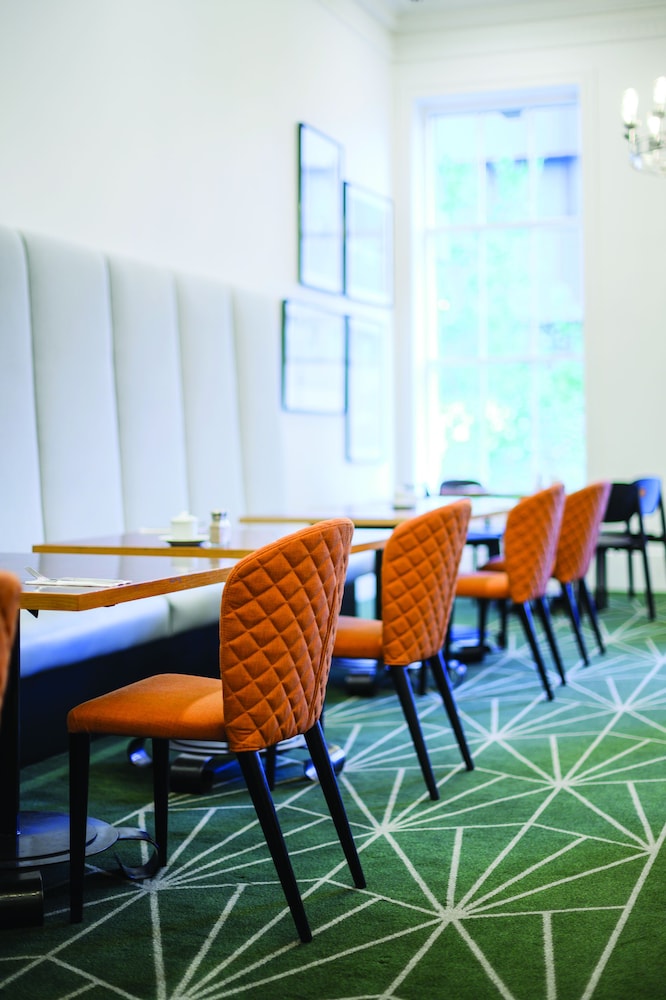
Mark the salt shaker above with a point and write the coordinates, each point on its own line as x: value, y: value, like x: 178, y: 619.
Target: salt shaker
x: 225, y: 529
x: 214, y: 527
x: 219, y: 532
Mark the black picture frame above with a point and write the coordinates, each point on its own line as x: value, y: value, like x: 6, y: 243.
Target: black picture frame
x: 367, y: 388
x: 320, y: 211
x: 368, y: 245
x: 314, y: 369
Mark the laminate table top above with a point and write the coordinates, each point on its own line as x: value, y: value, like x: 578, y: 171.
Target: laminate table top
x: 244, y: 540
x: 383, y: 514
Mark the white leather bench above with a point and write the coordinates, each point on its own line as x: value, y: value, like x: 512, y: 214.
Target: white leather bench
x: 128, y: 393
x: 119, y: 408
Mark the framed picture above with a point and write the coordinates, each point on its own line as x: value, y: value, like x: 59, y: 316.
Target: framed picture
x: 313, y: 359
x: 367, y: 391
x: 320, y: 211
x: 368, y: 249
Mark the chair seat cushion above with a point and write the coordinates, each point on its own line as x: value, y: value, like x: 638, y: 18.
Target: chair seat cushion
x: 488, y: 585
x: 496, y: 565
x: 168, y: 706
x: 358, y: 638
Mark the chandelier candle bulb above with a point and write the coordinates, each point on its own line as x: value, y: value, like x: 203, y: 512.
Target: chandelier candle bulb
x: 647, y: 143
x: 630, y: 107
x: 659, y: 94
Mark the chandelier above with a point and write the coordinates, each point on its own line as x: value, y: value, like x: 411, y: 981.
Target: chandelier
x: 647, y: 146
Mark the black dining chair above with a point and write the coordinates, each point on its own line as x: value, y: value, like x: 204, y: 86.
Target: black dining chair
x: 629, y: 504
x: 487, y: 537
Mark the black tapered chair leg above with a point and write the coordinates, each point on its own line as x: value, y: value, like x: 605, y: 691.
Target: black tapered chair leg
x: 403, y: 686
x: 79, y: 765
x: 649, y: 596
x: 329, y: 785
x: 439, y: 672
x: 524, y: 612
x: 504, y: 624
x: 423, y: 677
x: 630, y: 572
x: 547, y: 622
x: 483, y: 622
x: 586, y: 600
x: 601, y: 589
x: 161, y: 797
x: 270, y: 765
x: 571, y: 605
x: 255, y: 779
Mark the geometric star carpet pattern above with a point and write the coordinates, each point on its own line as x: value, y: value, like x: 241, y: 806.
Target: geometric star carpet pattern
x: 538, y: 876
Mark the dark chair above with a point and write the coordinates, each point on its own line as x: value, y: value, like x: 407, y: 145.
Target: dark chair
x: 277, y: 625
x: 487, y: 537
x: 628, y: 505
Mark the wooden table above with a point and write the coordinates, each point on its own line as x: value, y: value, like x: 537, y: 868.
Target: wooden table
x: 245, y: 539
x: 30, y: 840
x: 382, y: 514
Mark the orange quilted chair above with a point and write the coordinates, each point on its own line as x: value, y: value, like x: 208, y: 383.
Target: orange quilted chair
x: 278, y: 618
x: 10, y: 596
x: 530, y: 546
x: 581, y: 522
x: 419, y: 569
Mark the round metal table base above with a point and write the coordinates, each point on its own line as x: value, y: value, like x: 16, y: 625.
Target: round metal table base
x: 44, y: 840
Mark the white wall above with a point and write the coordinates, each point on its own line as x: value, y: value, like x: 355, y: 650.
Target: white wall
x: 625, y: 212
x: 166, y: 130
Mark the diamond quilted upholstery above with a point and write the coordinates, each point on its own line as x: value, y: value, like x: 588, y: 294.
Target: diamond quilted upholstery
x: 530, y: 548
x: 530, y: 542
x: 583, y: 513
x: 10, y: 594
x: 419, y: 570
x: 278, y: 620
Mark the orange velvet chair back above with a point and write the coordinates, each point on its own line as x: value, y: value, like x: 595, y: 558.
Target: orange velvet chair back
x: 530, y: 543
x: 419, y: 571
x: 583, y: 513
x: 10, y: 595
x: 278, y: 618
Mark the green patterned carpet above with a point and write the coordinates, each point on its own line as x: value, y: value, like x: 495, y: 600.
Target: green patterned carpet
x: 539, y: 876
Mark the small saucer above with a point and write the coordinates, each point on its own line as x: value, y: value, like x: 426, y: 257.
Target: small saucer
x: 184, y: 543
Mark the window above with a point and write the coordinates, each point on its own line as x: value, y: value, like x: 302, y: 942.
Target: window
x: 502, y: 387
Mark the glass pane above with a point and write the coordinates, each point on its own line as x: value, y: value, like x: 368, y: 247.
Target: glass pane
x: 560, y: 294
x: 505, y: 399
x: 508, y: 285
x: 507, y: 179
x: 556, y: 151
x: 561, y: 423
x: 509, y: 434
x: 455, y: 165
x: 457, y: 295
x: 456, y: 431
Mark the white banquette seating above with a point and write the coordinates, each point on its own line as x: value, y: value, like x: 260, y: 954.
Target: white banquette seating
x: 126, y: 395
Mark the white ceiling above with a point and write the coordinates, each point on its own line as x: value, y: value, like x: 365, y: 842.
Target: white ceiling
x: 408, y: 15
